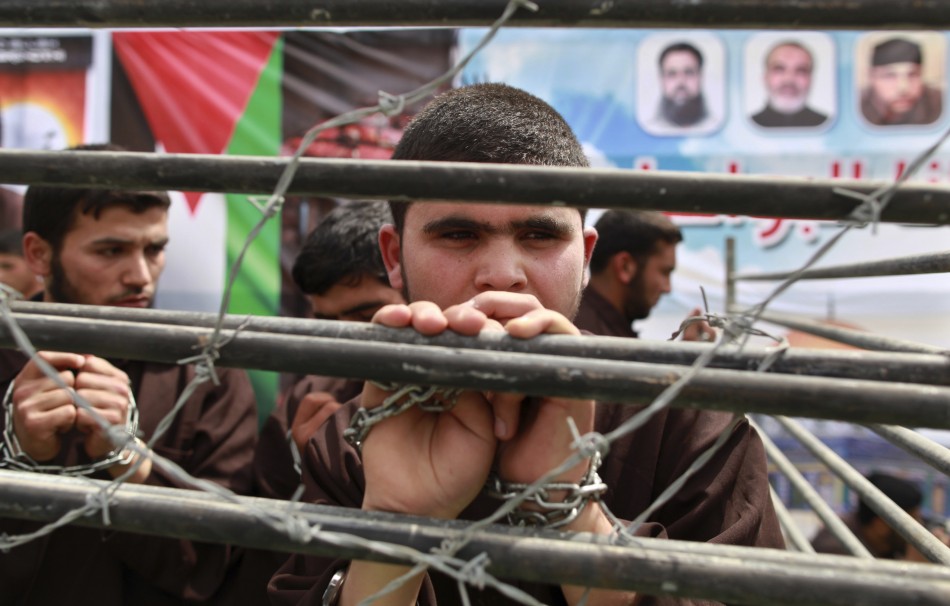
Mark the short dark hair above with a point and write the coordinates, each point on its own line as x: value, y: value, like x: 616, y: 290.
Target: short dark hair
x: 904, y: 493
x: 487, y: 123
x: 11, y: 242
x: 51, y: 211
x: 632, y: 231
x: 343, y: 248
x: 681, y: 47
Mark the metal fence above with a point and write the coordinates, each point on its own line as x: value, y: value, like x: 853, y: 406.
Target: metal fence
x: 912, y: 390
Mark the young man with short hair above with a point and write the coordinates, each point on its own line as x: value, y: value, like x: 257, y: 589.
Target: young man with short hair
x: 103, y: 247
x: 518, y: 269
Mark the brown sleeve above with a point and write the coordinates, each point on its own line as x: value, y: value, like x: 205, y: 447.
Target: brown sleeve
x: 333, y: 475
x: 213, y: 439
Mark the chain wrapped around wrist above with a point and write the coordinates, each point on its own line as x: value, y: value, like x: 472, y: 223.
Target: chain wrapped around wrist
x: 12, y: 455
x: 550, y: 513
x: 402, y: 398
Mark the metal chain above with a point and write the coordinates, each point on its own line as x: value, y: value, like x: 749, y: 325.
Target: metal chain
x: 403, y: 397
x: 12, y: 455
x: 550, y: 513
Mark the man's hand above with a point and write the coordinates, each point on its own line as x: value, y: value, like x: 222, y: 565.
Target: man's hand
x: 107, y: 389
x: 314, y: 409
x: 42, y: 412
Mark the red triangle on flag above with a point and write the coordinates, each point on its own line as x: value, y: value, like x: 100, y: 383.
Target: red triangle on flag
x: 194, y: 86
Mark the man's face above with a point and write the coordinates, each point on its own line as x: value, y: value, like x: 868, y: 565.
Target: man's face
x: 448, y: 253
x: 651, y: 282
x: 14, y: 272
x: 353, y: 301
x: 897, y: 87
x: 680, y: 77
x: 113, y: 260
x: 788, y: 78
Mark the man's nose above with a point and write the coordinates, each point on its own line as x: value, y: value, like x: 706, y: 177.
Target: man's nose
x: 500, y: 268
x: 137, y: 272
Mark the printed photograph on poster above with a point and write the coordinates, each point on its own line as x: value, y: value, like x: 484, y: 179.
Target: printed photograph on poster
x: 681, y: 84
x: 789, y: 81
x: 900, y: 78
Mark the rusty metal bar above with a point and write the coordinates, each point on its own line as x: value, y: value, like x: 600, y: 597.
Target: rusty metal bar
x: 789, y: 197
x: 901, y: 368
x: 735, y: 575
x: 849, y: 336
x: 536, y: 374
x: 783, y: 14
x: 900, y: 266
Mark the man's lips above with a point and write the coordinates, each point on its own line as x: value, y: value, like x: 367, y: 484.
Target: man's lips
x: 137, y: 301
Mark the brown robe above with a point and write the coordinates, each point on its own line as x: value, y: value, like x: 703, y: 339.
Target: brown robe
x: 212, y: 438
x: 276, y: 478
x: 596, y: 315
x: 726, y: 502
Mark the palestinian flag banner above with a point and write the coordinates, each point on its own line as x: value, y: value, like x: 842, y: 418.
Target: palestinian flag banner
x: 256, y: 93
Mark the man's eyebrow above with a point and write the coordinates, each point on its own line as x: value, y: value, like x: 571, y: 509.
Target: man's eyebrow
x: 546, y: 223
x: 456, y: 222
x: 542, y: 222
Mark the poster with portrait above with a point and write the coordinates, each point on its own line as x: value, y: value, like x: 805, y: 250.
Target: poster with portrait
x: 900, y: 78
x: 789, y: 81
x: 609, y: 100
x: 681, y: 84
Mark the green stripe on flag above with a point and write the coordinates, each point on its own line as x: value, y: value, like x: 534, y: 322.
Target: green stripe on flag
x: 257, y: 287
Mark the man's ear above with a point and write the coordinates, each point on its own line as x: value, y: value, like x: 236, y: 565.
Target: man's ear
x: 38, y: 254
x: 624, y: 267
x: 590, y: 239
x: 389, y: 246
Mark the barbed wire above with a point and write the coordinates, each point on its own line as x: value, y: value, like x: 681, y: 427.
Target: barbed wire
x: 735, y: 331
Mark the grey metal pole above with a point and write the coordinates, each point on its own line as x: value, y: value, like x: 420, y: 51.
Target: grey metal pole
x: 900, y: 266
x: 536, y: 374
x: 936, y: 455
x: 753, y: 195
x: 784, y: 14
x: 827, y: 515
x: 890, y: 512
x: 902, y: 368
x: 856, y: 338
x: 790, y: 528
x: 735, y: 575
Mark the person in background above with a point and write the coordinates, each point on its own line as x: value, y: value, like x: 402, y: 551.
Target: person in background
x: 630, y: 269
x: 106, y: 247
x: 873, y: 532
x: 341, y: 272
x: 14, y: 271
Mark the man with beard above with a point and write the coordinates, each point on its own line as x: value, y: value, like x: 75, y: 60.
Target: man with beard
x: 630, y: 270
x: 896, y: 94
x: 681, y: 78
x: 788, y: 71
x: 101, y: 247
